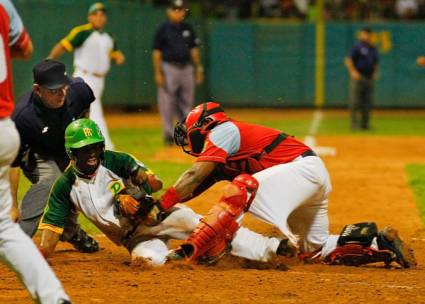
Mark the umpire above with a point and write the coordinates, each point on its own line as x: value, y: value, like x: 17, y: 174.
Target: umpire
x: 177, y: 67
x: 362, y: 65
x: 41, y: 117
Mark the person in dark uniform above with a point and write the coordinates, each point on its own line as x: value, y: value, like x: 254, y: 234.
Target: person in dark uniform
x: 177, y: 67
x: 362, y: 65
x: 41, y: 117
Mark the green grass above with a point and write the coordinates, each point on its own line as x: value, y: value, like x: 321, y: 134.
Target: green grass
x: 416, y: 174
x: 143, y: 143
x: 387, y: 126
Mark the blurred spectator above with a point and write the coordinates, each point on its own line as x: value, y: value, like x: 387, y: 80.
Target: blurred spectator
x: 302, y: 6
x: 290, y: 10
x: 333, y: 10
x: 269, y: 8
x: 387, y: 9
x: 421, y: 9
x: 406, y: 9
x: 229, y: 9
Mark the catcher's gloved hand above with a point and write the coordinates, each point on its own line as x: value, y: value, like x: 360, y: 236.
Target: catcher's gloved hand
x: 402, y: 253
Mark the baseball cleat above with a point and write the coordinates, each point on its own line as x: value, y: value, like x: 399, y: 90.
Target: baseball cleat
x: 83, y: 242
x: 175, y: 255
x: 286, y: 249
x: 402, y: 253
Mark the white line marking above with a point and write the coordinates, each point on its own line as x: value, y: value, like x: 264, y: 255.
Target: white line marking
x: 310, y: 139
x: 315, y: 123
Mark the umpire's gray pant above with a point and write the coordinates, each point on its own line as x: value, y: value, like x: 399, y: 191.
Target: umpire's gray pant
x: 176, y: 96
x: 361, y: 92
x: 42, y: 174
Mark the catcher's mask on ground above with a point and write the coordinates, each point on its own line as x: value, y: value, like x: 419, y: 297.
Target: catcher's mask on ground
x: 85, y: 145
x: 191, y: 134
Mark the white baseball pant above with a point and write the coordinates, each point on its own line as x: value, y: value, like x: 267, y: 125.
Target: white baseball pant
x: 181, y: 223
x: 97, y: 84
x: 294, y: 198
x: 16, y: 248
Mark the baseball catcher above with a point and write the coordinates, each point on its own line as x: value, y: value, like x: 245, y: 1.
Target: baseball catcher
x: 272, y: 175
x: 113, y: 191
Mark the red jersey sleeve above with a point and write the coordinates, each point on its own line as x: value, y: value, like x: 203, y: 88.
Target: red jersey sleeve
x: 212, y: 153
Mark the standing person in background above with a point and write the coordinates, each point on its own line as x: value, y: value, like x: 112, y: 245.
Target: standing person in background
x: 177, y: 67
x: 16, y: 249
x: 362, y: 65
x: 94, y: 50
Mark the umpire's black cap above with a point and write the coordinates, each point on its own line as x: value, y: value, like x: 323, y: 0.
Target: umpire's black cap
x: 50, y: 74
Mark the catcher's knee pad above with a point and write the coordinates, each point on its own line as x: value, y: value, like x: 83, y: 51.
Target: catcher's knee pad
x: 241, y: 192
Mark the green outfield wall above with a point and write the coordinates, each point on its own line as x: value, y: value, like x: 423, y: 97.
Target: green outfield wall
x: 255, y: 63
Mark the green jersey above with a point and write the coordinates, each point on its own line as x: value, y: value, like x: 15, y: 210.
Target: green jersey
x: 93, y: 197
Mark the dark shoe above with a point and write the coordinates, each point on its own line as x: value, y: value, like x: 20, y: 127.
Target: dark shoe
x: 286, y: 249
x: 83, y: 242
x: 175, y: 255
x: 403, y: 254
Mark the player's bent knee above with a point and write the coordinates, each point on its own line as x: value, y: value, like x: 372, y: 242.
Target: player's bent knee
x: 240, y: 192
x: 231, y: 190
x: 247, y: 181
x: 153, y: 252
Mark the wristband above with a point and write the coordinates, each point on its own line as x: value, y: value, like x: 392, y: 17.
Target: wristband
x: 169, y: 198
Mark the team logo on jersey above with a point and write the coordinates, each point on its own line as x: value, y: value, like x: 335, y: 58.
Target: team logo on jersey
x: 116, y: 186
x: 88, y: 132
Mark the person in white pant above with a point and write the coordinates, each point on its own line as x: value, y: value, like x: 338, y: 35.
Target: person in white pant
x: 278, y: 179
x: 97, y: 185
x: 16, y: 249
x: 93, y: 51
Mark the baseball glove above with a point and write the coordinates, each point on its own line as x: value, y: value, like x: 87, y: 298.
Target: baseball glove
x: 133, y: 202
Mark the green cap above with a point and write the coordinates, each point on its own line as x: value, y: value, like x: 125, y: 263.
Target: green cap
x: 98, y: 6
x: 80, y: 133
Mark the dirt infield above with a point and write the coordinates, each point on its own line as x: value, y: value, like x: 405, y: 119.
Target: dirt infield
x: 369, y: 183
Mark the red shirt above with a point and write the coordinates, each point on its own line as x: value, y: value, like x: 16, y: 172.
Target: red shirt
x: 234, y: 140
x: 12, y: 34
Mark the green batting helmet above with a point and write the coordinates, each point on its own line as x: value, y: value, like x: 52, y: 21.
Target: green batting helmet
x: 80, y: 133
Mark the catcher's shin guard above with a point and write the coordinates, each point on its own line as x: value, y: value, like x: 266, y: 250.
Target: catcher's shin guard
x: 216, y: 230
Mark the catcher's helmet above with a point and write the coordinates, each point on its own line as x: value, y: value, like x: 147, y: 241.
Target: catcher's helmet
x: 80, y: 133
x: 198, y: 123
